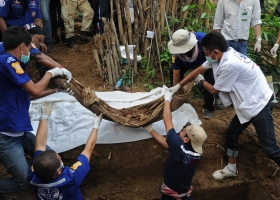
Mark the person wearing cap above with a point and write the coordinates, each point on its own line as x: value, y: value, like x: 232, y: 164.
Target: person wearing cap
x: 187, y: 54
x: 19, y: 13
x: 234, y: 18
x: 240, y: 82
x: 185, y: 150
x: 43, y: 62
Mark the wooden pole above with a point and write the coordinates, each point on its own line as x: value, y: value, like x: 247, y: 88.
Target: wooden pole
x: 162, y: 4
x: 117, y: 2
x: 128, y: 21
x: 136, y: 27
x: 97, y: 61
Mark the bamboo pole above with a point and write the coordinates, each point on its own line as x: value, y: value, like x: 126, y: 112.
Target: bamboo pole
x: 128, y: 21
x: 108, y: 62
x: 113, y: 28
x: 140, y: 9
x: 135, y: 59
x: 167, y: 6
x: 144, y: 4
x: 117, y: 2
x: 162, y: 10
x: 136, y: 27
x: 97, y: 61
x: 173, y: 12
x: 156, y: 22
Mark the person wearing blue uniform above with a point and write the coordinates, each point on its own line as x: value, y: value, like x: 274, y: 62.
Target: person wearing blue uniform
x: 19, y: 13
x: 187, y: 54
x: 185, y: 150
x: 48, y: 176
x: 15, y: 90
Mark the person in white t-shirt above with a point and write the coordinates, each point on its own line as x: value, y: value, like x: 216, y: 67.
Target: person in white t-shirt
x: 238, y: 81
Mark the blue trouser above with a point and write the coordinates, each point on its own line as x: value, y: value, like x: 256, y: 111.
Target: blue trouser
x: 263, y: 123
x: 45, y: 11
x: 240, y: 46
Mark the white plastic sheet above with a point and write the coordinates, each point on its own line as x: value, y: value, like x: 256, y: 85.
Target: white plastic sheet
x: 70, y: 123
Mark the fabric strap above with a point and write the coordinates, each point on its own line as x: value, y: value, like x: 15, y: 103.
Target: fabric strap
x: 167, y: 191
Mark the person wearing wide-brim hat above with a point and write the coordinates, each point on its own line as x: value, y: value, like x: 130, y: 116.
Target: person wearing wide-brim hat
x: 187, y: 54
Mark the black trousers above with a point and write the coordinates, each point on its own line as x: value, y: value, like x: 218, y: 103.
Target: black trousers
x: 207, y: 96
x: 55, y: 16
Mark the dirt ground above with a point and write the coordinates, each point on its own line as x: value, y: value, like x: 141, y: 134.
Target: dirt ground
x: 135, y: 170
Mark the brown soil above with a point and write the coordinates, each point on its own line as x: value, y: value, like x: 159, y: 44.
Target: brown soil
x: 135, y: 170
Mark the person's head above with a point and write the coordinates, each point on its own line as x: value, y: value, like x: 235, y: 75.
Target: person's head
x: 47, y: 165
x: 214, y: 45
x: 182, y: 42
x: 195, y: 135
x: 38, y: 36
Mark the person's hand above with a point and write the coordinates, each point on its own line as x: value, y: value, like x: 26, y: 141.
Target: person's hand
x: 68, y: 91
x: 168, y: 96
x: 67, y: 74
x: 274, y: 49
x: 149, y: 128
x: 258, y: 44
x: 46, y: 109
x: 198, y: 79
x: 96, y: 120
x: 56, y: 71
x: 43, y: 48
x: 174, y: 88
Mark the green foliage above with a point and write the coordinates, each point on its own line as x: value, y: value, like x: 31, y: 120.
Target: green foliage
x: 149, y: 71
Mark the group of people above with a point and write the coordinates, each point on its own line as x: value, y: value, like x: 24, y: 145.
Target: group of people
x: 230, y: 78
x: 50, y: 15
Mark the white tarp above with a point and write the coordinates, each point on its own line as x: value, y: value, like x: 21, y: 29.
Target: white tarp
x: 70, y: 123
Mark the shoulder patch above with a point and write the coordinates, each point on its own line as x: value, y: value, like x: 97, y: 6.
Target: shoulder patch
x: 2, y: 3
x: 76, y: 165
x: 10, y: 59
x: 17, y: 67
x: 173, y: 59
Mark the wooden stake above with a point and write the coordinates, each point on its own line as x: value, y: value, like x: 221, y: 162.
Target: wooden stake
x: 97, y: 61
x: 117, y: 2
x: 128, y: 21
x: 162, y: 4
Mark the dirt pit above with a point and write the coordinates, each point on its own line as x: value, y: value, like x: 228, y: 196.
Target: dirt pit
x: 135, y: 170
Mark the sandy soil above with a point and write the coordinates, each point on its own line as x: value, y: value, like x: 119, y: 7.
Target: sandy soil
x: 135, y: 170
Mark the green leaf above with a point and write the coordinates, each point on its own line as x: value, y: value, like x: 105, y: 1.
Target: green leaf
x: 185, y: 8
x: 203, y: 15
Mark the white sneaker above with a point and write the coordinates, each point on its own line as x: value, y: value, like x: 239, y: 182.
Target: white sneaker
x: 223, y: 173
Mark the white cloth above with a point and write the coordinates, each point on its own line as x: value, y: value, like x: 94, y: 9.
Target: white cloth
x: 243, y: 81
x: 235, y: 19
x: 70, y: 123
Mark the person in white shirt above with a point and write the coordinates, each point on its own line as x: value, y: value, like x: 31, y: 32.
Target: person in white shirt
x: 238, y: 81
x: 233, y: 19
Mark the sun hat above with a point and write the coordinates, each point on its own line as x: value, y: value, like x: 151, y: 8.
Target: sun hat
x: 182, y: 41
x: 197, y: 136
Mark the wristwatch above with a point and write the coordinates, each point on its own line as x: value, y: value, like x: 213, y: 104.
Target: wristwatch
x: 201, y: 82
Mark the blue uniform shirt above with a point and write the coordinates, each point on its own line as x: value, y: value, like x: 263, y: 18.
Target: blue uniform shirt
x: 181, y: 163
x: 65, y: 186
x: 14, y: 101
x: 16, y: 12
x: 177, y: 63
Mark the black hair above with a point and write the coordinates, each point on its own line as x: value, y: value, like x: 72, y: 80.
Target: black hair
x: 45, y: 165
x: 214, y: 40
x: 13, y: 36
x: 36, y: 30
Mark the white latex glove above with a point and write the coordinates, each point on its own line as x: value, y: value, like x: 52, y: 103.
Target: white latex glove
x: 149, y: 128
x: 96, y: 120
x: 68, y: 91
x: 258, y: 44
x: 46, y: 109
x: 274, y: 49
x: 174, y: 88
x: 68, y: 74
x: 168, y: 96
x: 198, y: 79
x: 56, y: 71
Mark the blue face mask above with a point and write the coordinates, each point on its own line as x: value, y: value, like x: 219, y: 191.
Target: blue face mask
x: 210, y: 60
x: 24, y: 58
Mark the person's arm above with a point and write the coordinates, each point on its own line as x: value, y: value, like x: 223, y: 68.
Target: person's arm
x: 219, y: 17
x: 192, y: 75
x: 258, y: 44
x: 158, y: 137
x: 3, y: 25
x: 176, y: 76
x: 91, y: 141
x: 275, y: 48
x: 42, y: 132
x: 43, y: 94
x: 167, y: 117
x: 46, y: 60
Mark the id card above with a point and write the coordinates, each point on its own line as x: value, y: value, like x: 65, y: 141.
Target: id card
x: 244, y: 16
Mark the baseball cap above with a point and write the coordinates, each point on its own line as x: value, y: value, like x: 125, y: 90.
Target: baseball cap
x: 182, y: 41
x: 197, y: 136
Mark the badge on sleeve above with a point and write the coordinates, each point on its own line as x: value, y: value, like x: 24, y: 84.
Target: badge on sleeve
x: 76, y: 165
x: 2, y: 3
x: 17, y: 67
x: 173, y: 59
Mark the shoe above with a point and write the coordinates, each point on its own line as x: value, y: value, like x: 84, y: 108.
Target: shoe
x: 207, y: 114
x: 223, y: 173
x: 71, y: 42
x: 49, y: 46
x: 219, y: 104
x: 84, y: 37
x: 55, y: 39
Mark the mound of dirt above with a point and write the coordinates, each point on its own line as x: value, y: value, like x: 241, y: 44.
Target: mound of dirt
x: 135, y: 170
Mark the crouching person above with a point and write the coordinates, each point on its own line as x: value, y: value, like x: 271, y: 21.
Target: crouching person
x: 185, y: 150
x: 48, y: 176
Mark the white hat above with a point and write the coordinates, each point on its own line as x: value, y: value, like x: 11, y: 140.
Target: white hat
x: 197, y: 136
x: 182, y: 41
